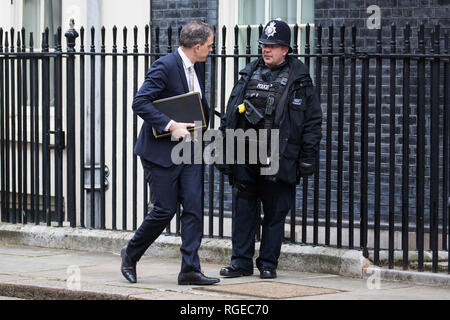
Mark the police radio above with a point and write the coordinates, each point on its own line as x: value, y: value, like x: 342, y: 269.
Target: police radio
x: 251, y: 113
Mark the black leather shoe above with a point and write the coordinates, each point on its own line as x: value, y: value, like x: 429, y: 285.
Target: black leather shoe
x: 128, y: 266
x: 195, y: 278
x: 268, y: 273
x: 234, y: 271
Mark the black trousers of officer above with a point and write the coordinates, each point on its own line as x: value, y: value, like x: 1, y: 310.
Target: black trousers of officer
x: 168, y: 187
x: 276, y: 200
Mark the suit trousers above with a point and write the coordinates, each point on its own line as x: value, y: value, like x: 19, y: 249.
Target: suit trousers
x: 168, y: 187
x: 276, y: 199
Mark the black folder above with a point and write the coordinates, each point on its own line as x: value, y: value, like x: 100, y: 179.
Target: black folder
x: 186, y: 108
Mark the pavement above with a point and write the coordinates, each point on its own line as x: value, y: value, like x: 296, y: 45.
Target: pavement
x: 40, y: 273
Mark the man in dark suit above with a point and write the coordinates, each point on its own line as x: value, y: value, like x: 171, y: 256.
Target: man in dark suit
x: 174, y: 74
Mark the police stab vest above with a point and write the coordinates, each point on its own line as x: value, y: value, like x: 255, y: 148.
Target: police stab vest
x: 264, y: 95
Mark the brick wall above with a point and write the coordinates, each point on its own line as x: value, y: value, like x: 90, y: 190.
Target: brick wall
x: 398, y: 12
x: 176, y: 13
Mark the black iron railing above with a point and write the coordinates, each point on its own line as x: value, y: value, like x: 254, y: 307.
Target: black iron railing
x: 66, y: 142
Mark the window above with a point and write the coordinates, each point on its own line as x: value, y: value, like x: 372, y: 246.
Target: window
x: 52, y: 18
x: 256, y: 12
x: 31, y: 20
x: 38, y: 15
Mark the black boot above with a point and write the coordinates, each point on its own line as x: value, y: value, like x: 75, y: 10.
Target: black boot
x: 266, y: 273
x: 234, y: 271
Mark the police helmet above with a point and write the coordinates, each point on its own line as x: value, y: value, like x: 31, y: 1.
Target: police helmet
x: 276, y: 32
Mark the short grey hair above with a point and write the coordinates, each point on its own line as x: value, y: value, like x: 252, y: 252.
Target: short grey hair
x: 195, y: 32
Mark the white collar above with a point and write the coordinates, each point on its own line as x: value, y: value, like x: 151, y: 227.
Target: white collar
x: 186, y: 61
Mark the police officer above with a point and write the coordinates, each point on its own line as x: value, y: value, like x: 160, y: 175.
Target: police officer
x: 274, y: 92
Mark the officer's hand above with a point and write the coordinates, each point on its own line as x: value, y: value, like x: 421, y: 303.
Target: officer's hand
x: 306, y: 169
x: 178, y: 130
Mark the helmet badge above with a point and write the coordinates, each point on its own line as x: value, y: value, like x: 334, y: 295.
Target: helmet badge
x: 271, y: 30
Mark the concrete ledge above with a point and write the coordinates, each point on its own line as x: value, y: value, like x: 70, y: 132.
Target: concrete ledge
x: 293, y: 257
x: 414, y: 277
x: 322, y: 260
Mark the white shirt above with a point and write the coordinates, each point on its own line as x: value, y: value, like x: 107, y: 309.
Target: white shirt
x: 187, y: 64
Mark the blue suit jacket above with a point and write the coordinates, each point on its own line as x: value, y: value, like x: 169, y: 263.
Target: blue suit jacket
x: 165, y: 78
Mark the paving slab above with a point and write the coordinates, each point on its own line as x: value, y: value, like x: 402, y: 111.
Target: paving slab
x: 45, y: 273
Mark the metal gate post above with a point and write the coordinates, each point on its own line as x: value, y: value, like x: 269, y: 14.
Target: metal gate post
x: 71, y: 36
x: 91, y: 166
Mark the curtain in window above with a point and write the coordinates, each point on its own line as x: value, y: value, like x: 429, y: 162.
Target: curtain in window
x: 307, y: 11
x: 285, y: 10
x: 32, y: 23
x: 251, y: 12
x: 52, y: 18
x: 31, y: 20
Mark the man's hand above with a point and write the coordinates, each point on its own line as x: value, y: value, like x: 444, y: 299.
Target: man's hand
x: 178, y: 130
